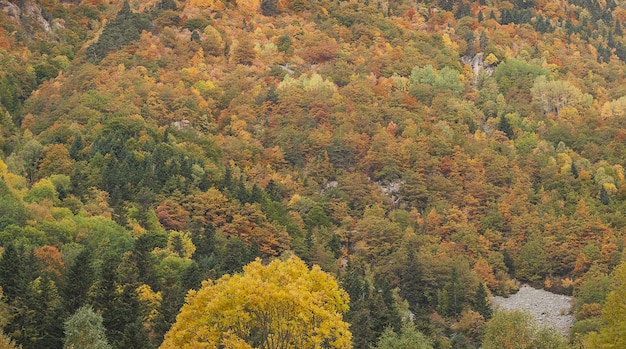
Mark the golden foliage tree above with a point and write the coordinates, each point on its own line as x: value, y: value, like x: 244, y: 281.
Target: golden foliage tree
x: 280, y: 305
x: 614, y: 315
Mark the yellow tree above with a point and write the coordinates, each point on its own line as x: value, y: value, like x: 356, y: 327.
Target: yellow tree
x: 278, y: 306
x: 611, y: 335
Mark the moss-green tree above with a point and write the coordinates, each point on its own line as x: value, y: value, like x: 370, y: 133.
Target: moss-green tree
x: 408, y: 338
x: 84, y: 329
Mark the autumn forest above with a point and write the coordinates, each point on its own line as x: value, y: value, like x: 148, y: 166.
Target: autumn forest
x: 377, y: 169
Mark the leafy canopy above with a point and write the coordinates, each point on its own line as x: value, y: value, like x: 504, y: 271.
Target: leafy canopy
x: 281, y: 305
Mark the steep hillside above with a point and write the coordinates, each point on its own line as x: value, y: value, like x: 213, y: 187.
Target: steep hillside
x: 425, y: 153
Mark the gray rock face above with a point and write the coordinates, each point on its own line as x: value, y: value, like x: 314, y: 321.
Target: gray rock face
x: 29, y: 12
x: 477, y: 63
x: 548, y: 309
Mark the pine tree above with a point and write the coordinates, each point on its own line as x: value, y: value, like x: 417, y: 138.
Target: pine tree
x: 411, y: 287
x: 14, y: 268
x: 41, y: 311
x: 483, y: 41
x: 618, y: 29
x: 269, y: 8
x: 604, y: 196
x: 505, y: 126
x: 79, y: 279
x: 481, y: 302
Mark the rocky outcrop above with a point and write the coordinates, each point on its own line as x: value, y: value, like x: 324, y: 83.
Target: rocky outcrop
x: 548, y: 309
x: 477, y: 63
x: 28, y: 13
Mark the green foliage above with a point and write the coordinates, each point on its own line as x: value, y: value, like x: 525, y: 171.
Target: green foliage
x: 351, y: 133
x: 516, y: 329
x: 481, y: 302
x: 408, y: 338
x: 613, y: 314
x: 42, y: 308
x: 42, y: 190
x: 269, y: 7
x: 12, y: 210
x: 532, y: 265
x: 123, y: 30
x: 515, y: 78
x: 371, y: 312
x: 445, y: 80
x: 198, y: 23
x: 84, y: 329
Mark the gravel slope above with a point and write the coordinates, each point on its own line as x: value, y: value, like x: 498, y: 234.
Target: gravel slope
x: 548, y: 309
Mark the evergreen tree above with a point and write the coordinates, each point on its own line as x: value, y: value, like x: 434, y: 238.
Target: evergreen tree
x: 269, y: 8
x: 274, y: 191
x: 574, y: 170
x: 451, y: 299
x: 14, y: 271
x: 604, y: 196
x: 80, y: 276
x: 84, y: 329
x: 483, y: 41
x: 173, y: 299
x: 124, y: 29
x: 40, y: 315
x: 412, y: 288
x: 234, y: 255
x: 205, y: 242
x: 481, y: 302
x: 117, y: 303
x: 505, y: 126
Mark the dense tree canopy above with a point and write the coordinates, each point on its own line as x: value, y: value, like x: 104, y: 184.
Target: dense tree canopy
x: 428, y: 154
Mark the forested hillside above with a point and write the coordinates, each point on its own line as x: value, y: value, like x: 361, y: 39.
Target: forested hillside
x: 427, y: 154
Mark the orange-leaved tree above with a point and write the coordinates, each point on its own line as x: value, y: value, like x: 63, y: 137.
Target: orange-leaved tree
x: 279, y: 305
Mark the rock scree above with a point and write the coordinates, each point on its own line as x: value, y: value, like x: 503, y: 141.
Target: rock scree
x: 548, y: 309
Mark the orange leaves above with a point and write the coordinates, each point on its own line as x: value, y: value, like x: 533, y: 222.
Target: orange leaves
x: 485, y: 273
x: 56, y: 160
x: 172, y: 215
x: 248, y: 6
x: 51, y: 257
x: 318, y: 48
x: 246, y: 222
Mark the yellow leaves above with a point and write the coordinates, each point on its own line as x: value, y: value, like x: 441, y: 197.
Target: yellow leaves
x: 282, y: 300
x: 313, y: 83
x: 611, y: 335
x: 151, y: 300
x: 614, y: 109
x: 202, y: 3
x: 249, y: 6
x: 238, y: 129
x: 445, y: 38
x: 294, y: 199
x: 610, y: 188
x: 567, y: 282
x: 491, y: 59
x: 3, y: 168
x: 180, y: 243
x: 231, y: 341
